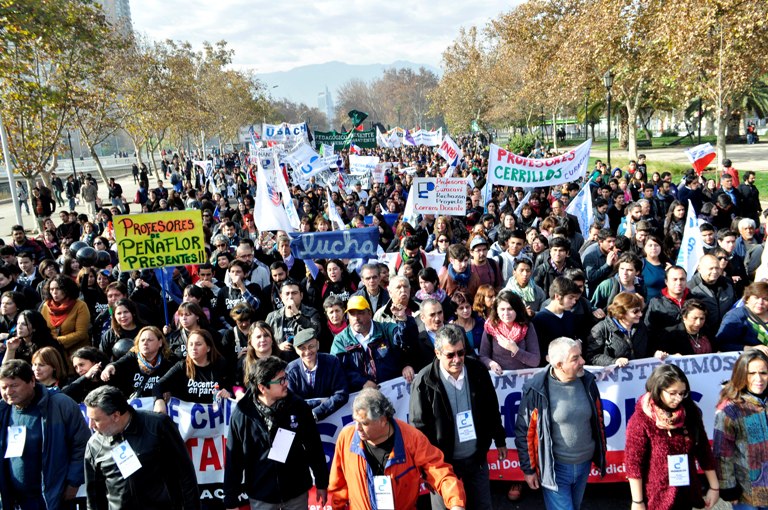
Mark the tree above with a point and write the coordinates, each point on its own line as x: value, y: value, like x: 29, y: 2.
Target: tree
x: 50, y: 49
x: 720, y: 46
x: 285, y: 110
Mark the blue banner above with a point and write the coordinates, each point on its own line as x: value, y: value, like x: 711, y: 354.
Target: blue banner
x: 390, y: 218
x: 338, y: 244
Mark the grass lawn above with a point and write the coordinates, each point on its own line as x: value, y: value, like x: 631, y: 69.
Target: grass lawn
x: 659, y: 142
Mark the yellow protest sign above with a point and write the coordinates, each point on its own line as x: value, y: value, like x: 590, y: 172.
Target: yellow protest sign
x: 160, y: 239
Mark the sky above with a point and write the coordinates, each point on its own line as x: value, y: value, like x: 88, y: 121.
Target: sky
x: 270, y: 36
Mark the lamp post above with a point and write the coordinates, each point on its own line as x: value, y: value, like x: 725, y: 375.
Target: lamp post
x: 608, y: 81
x: 586, y: 122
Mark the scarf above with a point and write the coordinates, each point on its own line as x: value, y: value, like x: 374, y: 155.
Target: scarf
x: 270, y: 414
x: 759, y: 326
x: 462, y: 279
x: 59, y: 313
x: 515, y: 332
x: 527, y: 293
x: 337, y: 329
x: 439, y: 295
x: 665, y: 420
x: 144, y: 364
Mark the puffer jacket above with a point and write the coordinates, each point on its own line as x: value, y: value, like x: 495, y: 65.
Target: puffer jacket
x: 718, y: 301
x: 533, y: 438
x: 383, y: 360
x: 607, y: 342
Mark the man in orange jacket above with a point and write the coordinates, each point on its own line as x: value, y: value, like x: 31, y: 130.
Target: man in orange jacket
x: 378, y: 461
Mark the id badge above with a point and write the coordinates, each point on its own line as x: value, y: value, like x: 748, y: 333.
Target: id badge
x: 281, y: 445
x: 385, y: 496
x: 126, y: 459
x: 465, y: 426
x: 17, y: 436
x: 677, y: 465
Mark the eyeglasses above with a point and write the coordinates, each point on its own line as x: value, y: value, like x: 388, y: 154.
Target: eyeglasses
x: 222, y: 245
x: 450, y: 355
x: 674, y: 394
x: 280, y: 380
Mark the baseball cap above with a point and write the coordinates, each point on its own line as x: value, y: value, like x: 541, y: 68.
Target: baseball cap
x: 358, y: 303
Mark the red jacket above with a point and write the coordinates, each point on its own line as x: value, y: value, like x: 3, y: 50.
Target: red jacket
x: 351, y: 484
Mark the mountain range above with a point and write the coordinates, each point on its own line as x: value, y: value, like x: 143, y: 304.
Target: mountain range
x: 302, y: 84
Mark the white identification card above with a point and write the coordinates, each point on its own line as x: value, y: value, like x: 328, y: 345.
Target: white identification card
x: 465, y: 425
x: 17, y: 435
x: 677, y: 465
x: 281, y: 445
x: 126, y: 459
x: 385, y: 496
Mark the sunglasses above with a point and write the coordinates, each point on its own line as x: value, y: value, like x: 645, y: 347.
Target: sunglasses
x: 450, y: 355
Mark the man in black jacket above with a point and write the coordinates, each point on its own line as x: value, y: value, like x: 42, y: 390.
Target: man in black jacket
x: 274, y: 440
x: 454, y: 404
x: 135, y: 459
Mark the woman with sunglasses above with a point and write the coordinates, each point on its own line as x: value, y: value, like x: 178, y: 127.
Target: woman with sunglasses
x: 740, y: 431
x: 621, y: 336
x: 664, y: 438
x: 442, y: 229
x: 202, y: 377
x: 136, y: 373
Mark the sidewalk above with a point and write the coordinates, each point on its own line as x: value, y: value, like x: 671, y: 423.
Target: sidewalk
x: 744, y: 157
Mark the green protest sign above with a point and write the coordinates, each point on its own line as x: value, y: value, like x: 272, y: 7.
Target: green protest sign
x: 364, y: 139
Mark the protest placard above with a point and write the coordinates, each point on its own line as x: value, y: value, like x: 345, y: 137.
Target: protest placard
x: 339, y: 244
x: 284, y: 132
x: 440, y: 195
x: 362, y: 165
x: 379, y: 173
x: 160, y: 239
x: 364, y: 139
x: 506, y: 168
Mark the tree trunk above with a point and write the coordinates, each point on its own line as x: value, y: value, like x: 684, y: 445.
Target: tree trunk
x: 631, y: 131
x: 732, y: 133
x: 721, y: 138
x: 554, y: 129
x: 99, y: 166
x: 623, y: 128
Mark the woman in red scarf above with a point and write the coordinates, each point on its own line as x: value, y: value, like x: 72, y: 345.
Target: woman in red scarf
x: 66, y: 315
x: 664, y: 436
x: 509, y: 341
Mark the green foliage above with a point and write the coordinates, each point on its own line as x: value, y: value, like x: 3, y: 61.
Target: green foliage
x: 522, y: 143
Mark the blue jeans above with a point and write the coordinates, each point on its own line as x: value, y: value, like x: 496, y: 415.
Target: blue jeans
x: 744, y: 506
x: 571, y: 482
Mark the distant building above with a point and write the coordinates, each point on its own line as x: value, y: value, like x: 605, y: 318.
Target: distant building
x: 325, y: 105
x: 118, y: 12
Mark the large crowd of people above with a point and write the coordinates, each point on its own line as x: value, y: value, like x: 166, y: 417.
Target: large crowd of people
x: 514, y: 283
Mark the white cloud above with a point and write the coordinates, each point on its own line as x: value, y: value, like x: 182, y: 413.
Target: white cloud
x: 272, y: 36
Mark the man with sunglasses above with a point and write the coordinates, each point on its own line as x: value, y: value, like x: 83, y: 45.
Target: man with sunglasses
x: 454, y: 404
x: 273, y: 436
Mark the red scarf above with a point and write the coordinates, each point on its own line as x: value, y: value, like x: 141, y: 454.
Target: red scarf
x: 59, y: 312
x: 664, y: 420
x: 516, y: 332
x: 337, y: 329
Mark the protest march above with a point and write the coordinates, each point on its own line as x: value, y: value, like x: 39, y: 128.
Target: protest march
x: 319, y: 309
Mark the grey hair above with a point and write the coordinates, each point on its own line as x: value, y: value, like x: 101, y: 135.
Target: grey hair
x: 450, y: 334
x: 559, y: 348
x: 397, y: 278
x: 746, y: 222
x: 429, y: 301
x: 219, y: 238
x: 374, y: 403
x: 107, y: 398
x: 643, y: 201
x: 369, y: 267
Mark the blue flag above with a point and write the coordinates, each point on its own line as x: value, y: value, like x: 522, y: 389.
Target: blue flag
x: 339, y: 244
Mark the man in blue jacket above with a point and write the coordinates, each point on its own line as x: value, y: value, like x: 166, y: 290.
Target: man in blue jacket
x: 42, y: 437
x: 371, y: 352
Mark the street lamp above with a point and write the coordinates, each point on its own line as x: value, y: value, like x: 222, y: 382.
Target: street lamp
x: 608, y: 81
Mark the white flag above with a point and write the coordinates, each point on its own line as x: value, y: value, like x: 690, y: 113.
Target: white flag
x: 524, y: 201
x: 282, y: 187
x: 692, y: 247
x: 333, y: 214
x: 450, y: 151
x: 305, y: 161
x: 409, y: 214
x: 381, y: 140
x: 268, y: 211
x: 581, y: 207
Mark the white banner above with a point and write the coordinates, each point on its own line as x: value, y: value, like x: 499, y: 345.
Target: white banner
x: 362, y: 165
x: 284, y: 132
x: 581, y: 207
x: 382, y: 140
x: 428, y: 138
x: 305, y: 161
x: 505, y: 168
x: 379, y: 173
x: 440, y: 195
x: 692, y: 247
x: 450, y: 151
